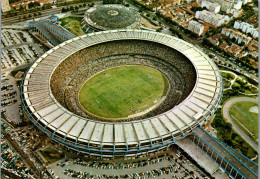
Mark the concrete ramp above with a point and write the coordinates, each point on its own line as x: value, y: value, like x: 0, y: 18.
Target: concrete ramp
x: 202, y: 158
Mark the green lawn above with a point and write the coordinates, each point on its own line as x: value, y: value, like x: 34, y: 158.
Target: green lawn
x: 226, y: 83
x: 240, y: 111
x: 121, y: 91
x: 73, y: 25
x: 52, y: 155
x: 228, y: 76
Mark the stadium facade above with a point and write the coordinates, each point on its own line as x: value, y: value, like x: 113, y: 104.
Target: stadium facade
x: 43, y: 90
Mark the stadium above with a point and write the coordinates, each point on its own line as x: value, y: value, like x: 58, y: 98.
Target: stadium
x: 51, y: 91
x: 110, y: 17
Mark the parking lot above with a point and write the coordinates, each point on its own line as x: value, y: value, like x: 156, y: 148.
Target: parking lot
x: 18, y: 48
x: 169, y: 165
x: 10, y: 101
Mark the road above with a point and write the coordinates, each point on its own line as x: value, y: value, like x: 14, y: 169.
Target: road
x: 47, y: 12
x: 226, y: 115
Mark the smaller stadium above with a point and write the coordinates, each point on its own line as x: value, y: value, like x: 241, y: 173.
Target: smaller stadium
x: 111, y: 16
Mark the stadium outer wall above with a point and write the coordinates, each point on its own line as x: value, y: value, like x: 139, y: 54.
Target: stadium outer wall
x: 125, y: 138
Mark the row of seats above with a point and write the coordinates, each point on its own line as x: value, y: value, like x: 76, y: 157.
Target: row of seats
x: 76, y: 69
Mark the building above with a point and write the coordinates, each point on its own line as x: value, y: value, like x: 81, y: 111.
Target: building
x: 5, y: 6
x: 111, y: 16
x: 240, y: 37
x: 246, y: 1
x: 212, y: 7
x: 235, y: 12
x: 225, y: 4
x: 246, y: 28
x: 130, y: 137
x: 196, y: 27
x: 212, y: 18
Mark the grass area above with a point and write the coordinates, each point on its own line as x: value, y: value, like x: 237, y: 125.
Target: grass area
x: 226, y: 134
x: 240, y: 111
x: 224, y: 129
x: 226, y: 83
x: 52, y: 155
x: 253, y: 82
x: 244, y: 87
x: 72, y: 24
x: 228, y: 76
x: 236, y: 85
x: 122, y: 91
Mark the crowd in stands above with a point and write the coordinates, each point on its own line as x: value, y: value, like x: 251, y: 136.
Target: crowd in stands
x: 73, y: 72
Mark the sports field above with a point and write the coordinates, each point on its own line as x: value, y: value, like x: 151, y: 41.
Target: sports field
x: 121, y: 91
x: 73, y: 25
x: 246, y: 120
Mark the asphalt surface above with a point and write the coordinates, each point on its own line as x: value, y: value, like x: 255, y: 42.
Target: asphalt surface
x: 47, y: 12
x: 226, y: 115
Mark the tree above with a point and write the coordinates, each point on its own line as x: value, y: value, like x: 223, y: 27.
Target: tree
x: 91, y: 4
x: 196, y: 8
x: 33, y: 4
x: 76, y: 8
x: 242, y: 43
x: 206, y: 42
x: 229, y: 42
x: 246, y: 49
x: 220, y: 40
x: 180, y: 36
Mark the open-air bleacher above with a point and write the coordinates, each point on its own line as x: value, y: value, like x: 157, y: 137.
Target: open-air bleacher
x: 65, y: 63
x: 72, y: 73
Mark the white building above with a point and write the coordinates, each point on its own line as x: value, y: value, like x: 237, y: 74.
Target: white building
x: 240, y: 37
x: 237, y: 5
x: 235, y: 12
x: 246, y: 1
x: 5, y: 5
x: 225, y: 4
x: 213, y: 7
x: 196, y: 27
x: 212, y: 18
x: 247, y: 28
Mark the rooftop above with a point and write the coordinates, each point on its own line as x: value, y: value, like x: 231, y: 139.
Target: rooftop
x: 112, y: 16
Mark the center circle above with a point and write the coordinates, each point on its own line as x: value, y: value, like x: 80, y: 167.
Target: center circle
x: 112, y: 13
x: 123, y: 92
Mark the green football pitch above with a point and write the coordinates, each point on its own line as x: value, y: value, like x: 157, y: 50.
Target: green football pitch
x: 122, y: 91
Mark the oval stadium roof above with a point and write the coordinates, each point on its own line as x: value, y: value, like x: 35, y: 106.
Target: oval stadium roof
x: 119, y: 138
